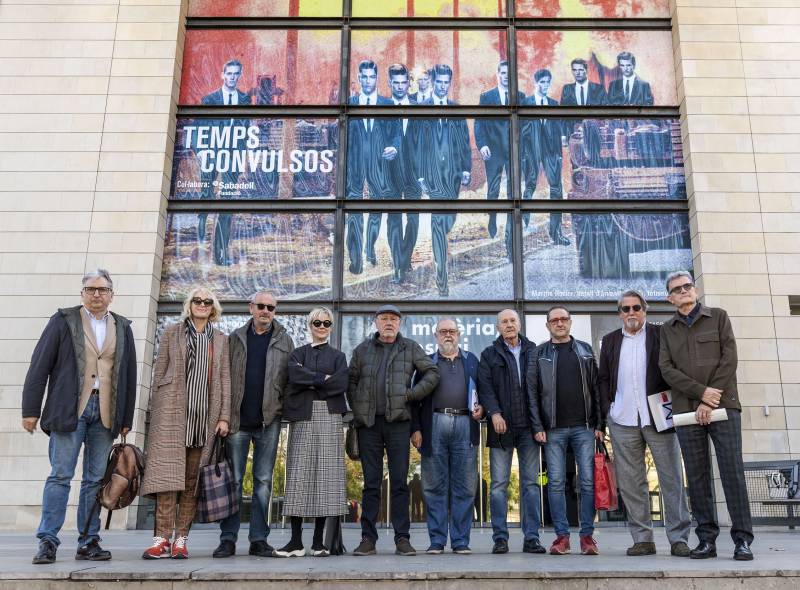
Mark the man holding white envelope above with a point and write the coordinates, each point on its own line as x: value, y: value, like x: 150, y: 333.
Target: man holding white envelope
x: 631, y: 394
x: 698, y: 359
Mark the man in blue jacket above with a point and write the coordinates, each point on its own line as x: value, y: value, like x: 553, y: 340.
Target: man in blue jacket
x: 445, y: 429
x: 87, y: 360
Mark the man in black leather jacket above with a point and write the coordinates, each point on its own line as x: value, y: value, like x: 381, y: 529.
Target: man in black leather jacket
x: 562, y: 384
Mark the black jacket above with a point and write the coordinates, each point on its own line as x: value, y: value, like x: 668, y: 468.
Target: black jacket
x: 405, y: 358
x: 59, y: 361
x: 609, y: 367
x: 308, y: 366
x: 541, y: 381
x: 422, y: 412
x: 495, y: 383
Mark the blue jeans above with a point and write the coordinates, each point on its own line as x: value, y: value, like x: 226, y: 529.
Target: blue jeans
x: 581, y: 440
x: 449, y: 476
x: 500, y: 469
x: 64, y: 449
x: 265, y: 445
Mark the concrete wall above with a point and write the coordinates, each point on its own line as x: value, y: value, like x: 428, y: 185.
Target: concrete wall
x: 87, y: 107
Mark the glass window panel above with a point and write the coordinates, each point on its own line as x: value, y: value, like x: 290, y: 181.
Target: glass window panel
x: 477, y: 331
x: 255, y: 158
x: 394, y: 158
x: 471, y: 56
x: 608, y: 56
x: 601, y: 159
x: 284, y: 67
x: 593, y: 8
x: 237, y: 254
x: 599, y: 255
x: 426, y: 256
x: 429, y: 8
x: 265, y: 8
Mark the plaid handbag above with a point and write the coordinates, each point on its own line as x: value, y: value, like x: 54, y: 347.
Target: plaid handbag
x: 217, y: 489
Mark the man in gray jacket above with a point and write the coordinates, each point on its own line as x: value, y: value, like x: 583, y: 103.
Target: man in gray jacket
x: 381, y: 372
x: 259, y: 352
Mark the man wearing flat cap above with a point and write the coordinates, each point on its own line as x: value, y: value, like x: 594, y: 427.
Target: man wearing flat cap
x: 380, y: 389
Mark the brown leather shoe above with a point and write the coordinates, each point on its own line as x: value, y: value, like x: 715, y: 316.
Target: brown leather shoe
x: 642, y: 549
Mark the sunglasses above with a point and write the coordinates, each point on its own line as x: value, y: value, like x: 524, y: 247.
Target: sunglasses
x: 318, y: 323
x: 202, y: 302
x: 628, y: 308
x: 686, y: 287
x: 261, y: 306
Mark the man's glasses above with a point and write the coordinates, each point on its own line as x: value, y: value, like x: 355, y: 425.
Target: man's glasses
x: 686, y: 287
x: 627, y: 308
x: 261, y: 306
x: 448, y: 332
x: 202, y: 302
x: 319, y: 323
x: 97, y: 290
x: 558, y: 320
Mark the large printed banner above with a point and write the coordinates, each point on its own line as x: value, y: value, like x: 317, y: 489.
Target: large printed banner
x: 592, y: 8
x: 596, y: 68
x: 265, y: 8
x: 261, y: 67
x: 429, y: 8
x: 256, y: 158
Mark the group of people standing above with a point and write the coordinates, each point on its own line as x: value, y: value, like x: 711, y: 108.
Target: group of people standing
x: 207, y: 385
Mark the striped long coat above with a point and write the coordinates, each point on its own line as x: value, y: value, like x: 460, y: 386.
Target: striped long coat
x: 166, y: 439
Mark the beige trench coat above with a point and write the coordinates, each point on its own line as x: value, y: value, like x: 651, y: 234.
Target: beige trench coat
x: 165, y: 470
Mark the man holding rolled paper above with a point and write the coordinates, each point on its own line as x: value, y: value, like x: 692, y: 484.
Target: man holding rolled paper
x: 698, y: 359
x: 629, y: 379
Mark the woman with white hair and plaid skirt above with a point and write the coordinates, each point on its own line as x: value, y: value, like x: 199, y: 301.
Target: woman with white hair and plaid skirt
x: 314, y: 403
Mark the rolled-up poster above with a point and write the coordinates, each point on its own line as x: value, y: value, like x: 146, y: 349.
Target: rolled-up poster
x: 688, y: 418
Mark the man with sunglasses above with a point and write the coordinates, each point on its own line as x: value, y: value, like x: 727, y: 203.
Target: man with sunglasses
x: 698, y: 359
x: 628, y: 374
x: 86, y: 358
x: 259, y: 357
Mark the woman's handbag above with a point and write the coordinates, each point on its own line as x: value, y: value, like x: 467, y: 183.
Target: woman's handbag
x: 351, y: 443
x: 217, y: 488
x: 605, y: 480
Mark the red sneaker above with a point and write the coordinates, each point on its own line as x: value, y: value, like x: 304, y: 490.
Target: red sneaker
x: 588, y: 545
x: 560, y: 546
x: 179, y: 550
x: 158, y: 550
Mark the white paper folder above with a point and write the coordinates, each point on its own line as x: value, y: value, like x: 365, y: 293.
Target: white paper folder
x: 688, y: 418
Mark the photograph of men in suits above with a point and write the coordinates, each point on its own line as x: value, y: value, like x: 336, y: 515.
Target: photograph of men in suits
x: 226, y: 95
x: 404, y: 175
x: 542, y: 141
x: 630, y: 89
x: 582, y: 92
x: 445, y: 166
x: 491, y: 137
x: 372, y: 144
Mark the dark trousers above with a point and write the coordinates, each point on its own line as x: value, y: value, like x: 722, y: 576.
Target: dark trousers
x: 222, y: 236
x: 354, y: 240
x: 441, y: 224
x: 372, y: 440
x: 494, y: 176
x: 727, y: 437
x: 551, y: 164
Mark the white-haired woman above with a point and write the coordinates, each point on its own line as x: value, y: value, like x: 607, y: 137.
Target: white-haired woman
x: 314, y: 404
x: 189, y: 405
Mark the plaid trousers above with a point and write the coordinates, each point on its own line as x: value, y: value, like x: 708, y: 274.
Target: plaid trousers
x: 172, y: 513
x: 727, y: 438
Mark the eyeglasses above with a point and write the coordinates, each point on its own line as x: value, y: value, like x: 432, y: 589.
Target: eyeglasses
x: 261, y: 306
x: 686, y: 287
x: 448, y: 331
x: 202, y: 302
x: 558, y: 320
x: 97, y: 290
x: 627, y: 308
x: 318, y: 323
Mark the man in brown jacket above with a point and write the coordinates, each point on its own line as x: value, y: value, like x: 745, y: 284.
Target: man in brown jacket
x: 698, y: 360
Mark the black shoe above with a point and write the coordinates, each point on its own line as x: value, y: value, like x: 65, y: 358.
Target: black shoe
x: 366, y: 547
x: 291, y: 549
x: 742, y: 552
x: 225, y: 549
x: 403, y: 547
x: 355, y: 269
x: 261, y: 549
x: 500, y: 546
x: 372, y: 260
x: 46, y: 553
x: 532, y: 546
x: 680, y: 549
x: 92, y: 551
x: 704, y: 550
